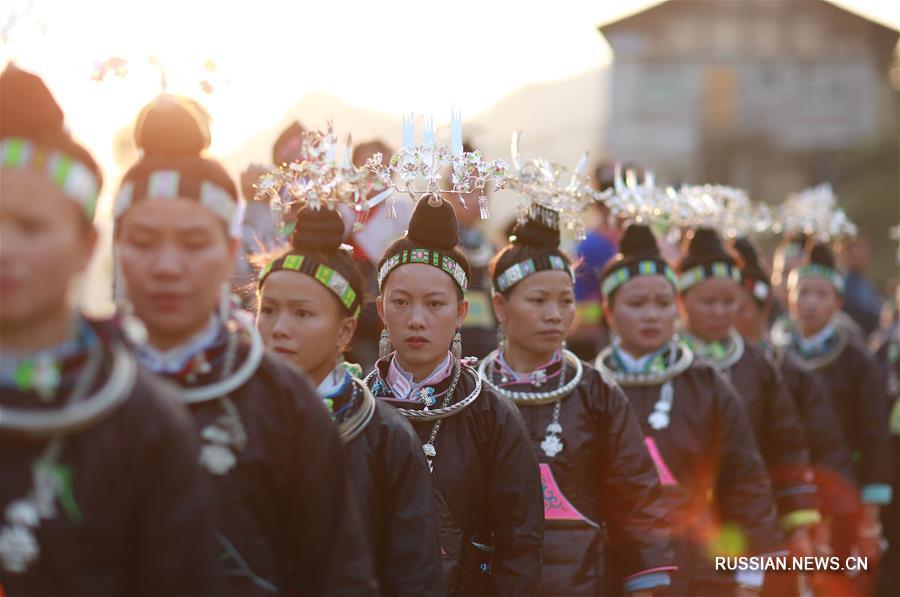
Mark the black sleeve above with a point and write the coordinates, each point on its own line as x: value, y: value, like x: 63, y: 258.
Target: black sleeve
x: 829, y: 454
x: 331, y: 555
x: 516, y: 503
x: 785, y: 450
x: 175, y: 542
x: 412, y: 564
x: 742, y: 484
x: 872, y: 431
x: 636, y: 515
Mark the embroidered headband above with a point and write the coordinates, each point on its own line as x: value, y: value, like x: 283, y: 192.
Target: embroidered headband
x: 432, y: 257
x: 170, y: 184
x: 629, y: 270
x: 718, y: 269
x: 519, y: 271
x: 72, y: 177
x: 328, y: 277
x: 818, y: 271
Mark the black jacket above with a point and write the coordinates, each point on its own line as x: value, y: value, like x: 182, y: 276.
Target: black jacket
x: 605, y: 473
x: 394, y: 495
x: 284, y: 514
x: 828, y: 450
x: 137, y: 520
x: 777, y: 428
x: 714, y: 476
x: 487, y: 492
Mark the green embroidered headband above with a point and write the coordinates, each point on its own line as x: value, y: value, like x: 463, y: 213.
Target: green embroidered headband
x: 431, y: 257
x: 644, y: 267
x: 519, y: 271
x: 818, y: 271
x: 718, y: 269
x: 72, y: 177
x: 327, y: 276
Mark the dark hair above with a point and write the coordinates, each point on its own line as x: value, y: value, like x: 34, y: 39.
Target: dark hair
x: 294, y: 130
x: 28, y: 110
x: 318, y: 235
x: 431, y: 228
x: 637, y: 244
x: 375, y: 145
x: 173, y: 132
x: 532, y: 239
x: 703, y: 248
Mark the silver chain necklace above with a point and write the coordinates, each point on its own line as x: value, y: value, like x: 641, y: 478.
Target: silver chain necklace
x: 552, y: 443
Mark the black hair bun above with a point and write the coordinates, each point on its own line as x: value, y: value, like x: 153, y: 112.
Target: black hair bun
x: 172, y: 125
x: 638, y: 241
x: 434, y: 227
x: 318, y: 230
x: 705, y: 242
x: 27, y: 107
x: 540, y: 230
x: 820, y: 254
x: 747, y: 254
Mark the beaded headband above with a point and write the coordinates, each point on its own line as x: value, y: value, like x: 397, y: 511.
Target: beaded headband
x: 170, y: 184
x: 719, y: 269
x: 644, y: 267
x: 432, y: 257
x: 72, y: 177
x: 519, y: 271
x: 323, y: 274
x: 818, y: 271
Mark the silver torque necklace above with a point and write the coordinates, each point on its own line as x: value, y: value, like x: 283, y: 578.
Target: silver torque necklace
x: 19, y: 547
x: 660, y: 417
x: 552, y: 443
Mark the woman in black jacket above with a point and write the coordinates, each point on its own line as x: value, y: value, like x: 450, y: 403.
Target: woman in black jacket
x: 486, y: 483
x: 696, y: 427
x: 309, y: 300
x: 600, y: 486
x: 100, y: 489
x: 284, y: 515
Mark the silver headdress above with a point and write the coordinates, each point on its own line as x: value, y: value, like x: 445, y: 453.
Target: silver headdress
x: 417, y: 169
x: 543, y: 183
x: 317, y: 179
x: 815, y: 212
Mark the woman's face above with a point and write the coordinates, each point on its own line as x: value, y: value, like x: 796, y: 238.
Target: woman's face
x: 538, y: 313
x: 175, y: 256
x: 710, y: 307
x: 420, y: 307
x: 812, y: 303
x: 45, y: 241
x: 643, y: 314
x: 303, y: 321
x: 750, y: 319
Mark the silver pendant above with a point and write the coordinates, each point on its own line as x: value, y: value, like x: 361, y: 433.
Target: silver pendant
x: 538, y: 378
x: 217, y: 458
x: 429, y: 450
x: 18, y: 548
x: 551, y: 445
x: 658, y: 420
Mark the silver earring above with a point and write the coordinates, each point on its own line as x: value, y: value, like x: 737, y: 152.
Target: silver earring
x: 133, y: 328
x: 225, y: 302
x: 384, y: 344
x: 456, y: 346
x: 501, y: 336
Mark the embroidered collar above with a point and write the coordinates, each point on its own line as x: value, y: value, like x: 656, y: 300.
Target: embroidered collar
x: 44, y: 371
x: 175, y: 360
x: 654, y: 362
x: 820, y: 349
x: 339, y: 394
x: 537, y: 378
x: 400, y: 382
x: 721, y: 353
x: 815, y: 345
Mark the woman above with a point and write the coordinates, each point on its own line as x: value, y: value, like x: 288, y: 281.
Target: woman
x: 853, y: 381
x: 486, y: 482
x: 100, y: 489
x: 696, y: 427
x: 309, y: 302
x: 283, y: 519
x: 828, y: 450
x: 596, y: 472
x: 708, y: 292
